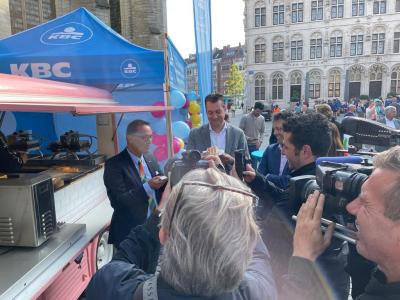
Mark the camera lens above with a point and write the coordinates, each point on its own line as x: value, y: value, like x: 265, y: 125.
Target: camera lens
x: 309, y: 188
x: 194, y: 156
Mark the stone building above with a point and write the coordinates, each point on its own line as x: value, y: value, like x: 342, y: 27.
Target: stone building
x: 321, y: 49
x: 222, y: 62
x: 5, y: 27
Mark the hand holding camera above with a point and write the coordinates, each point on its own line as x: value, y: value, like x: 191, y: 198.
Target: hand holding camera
x: 308, y: 240
x: 157, y: 182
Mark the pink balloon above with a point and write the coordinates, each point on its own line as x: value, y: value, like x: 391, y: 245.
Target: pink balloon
x: 159, y: 140
x: 186, y: 104
x: 176, y: 145
x: 161, y: 153
x: 158, y: 114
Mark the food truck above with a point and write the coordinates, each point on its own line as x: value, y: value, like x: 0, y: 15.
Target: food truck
x: 54, y: 210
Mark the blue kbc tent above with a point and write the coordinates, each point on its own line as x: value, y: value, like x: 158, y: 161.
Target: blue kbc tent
x: 80, y: 48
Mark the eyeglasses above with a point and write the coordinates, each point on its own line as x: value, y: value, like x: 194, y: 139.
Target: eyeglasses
x: 146, y: 138
x: 212, y: 186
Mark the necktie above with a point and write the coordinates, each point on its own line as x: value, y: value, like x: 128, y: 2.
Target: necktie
x: 151, y: 200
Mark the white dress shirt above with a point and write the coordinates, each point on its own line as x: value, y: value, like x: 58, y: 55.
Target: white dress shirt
x: 218, y: 139
x: 390, y: 123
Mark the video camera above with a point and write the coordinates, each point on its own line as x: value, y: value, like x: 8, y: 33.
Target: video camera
x: 340, y: 183
x: 190, y: 160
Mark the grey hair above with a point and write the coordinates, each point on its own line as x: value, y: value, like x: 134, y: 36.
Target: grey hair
x: 212, y: 235
x: 390, y: 160
x: 390, y: 108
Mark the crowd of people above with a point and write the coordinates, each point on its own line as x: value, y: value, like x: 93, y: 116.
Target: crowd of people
x: 221, y: 235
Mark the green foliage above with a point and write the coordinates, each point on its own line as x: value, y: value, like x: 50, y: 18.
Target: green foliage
x: 235, y: 82
x: 364, y: 97
x: 391, y: 94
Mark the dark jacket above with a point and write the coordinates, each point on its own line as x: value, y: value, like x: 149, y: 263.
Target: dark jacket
x: 126, y: 193
x: 270, y: 164
x: 277, y: 231
x: 139, y: 252
x: 303, y: 282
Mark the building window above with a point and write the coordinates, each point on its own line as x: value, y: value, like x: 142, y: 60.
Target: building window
x: 297, y: 12
x: 396, y: 44
x: 379, y: 7
x: 336, y: 43
x: 357, y: 45
x: 358, y: 8
x: 337, y: 9
x: 259, y: 51
x: 397, y: 5
x: 395, y: 81
x: 316, y: 48
x: 277, y: 86
x: 314, y: 87
x: 260, y: 16
x: 296, y: 50
x: 259, y: 87
x: 334, y: 84
x: 317, y: 10
x: 278, y: 14
x: 277, y: 51
x: 378, y: 43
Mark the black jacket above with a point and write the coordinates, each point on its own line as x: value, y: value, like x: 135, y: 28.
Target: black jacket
x: 126, y: 193
x: 303, y: 282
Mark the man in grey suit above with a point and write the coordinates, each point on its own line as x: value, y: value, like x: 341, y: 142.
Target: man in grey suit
x: 217, y: 132
x: 390, y: 121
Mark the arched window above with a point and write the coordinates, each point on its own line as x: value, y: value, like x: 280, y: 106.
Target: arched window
x: 260, y: 15
x: 336, y: 43
x: 277, y: 86
x: 259, y: 87
x: 259, y: 51
x: 277, y: 49
x: 295, y: 78
x: 334, y: 84
x: 395, y: 81
x: 357, y: 42
x: 296, y: 48
x: 314, y: 87
x: 316, y: 46
x: 355, y: 73
x: 375, y: 73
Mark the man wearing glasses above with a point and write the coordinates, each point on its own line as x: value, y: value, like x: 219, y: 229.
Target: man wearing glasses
x: 133, y: 182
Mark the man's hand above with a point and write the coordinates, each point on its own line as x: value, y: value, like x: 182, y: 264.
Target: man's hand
x: 213, y: 161
x: 258, y: 144
x: 250, y: 174
x: 308, y: 240
x: 226, y: 159
x: 156, y: 182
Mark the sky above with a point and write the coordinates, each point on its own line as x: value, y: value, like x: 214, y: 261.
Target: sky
x: 226, y: 21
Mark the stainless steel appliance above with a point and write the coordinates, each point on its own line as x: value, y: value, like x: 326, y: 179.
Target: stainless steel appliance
x: 27, y: 213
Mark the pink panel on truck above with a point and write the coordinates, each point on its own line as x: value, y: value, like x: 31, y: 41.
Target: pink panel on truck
x: 72, y: 281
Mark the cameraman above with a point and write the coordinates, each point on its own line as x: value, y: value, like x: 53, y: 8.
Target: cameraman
x: 211, y: 247
x: 377, y: 212
x: 305, y: 138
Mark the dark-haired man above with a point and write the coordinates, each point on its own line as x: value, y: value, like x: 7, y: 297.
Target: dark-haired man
x: 253, y: 126
x: 132, y: 181
x: 217, y: 133
x: 305, y: 138
x: 273, y: 164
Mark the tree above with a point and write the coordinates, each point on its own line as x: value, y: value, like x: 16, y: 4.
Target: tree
x: 235, y: 83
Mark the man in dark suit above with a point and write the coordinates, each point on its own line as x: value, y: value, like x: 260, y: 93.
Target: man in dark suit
x: 273, y: 164
x: 133, y: 182
x: 226, y: 137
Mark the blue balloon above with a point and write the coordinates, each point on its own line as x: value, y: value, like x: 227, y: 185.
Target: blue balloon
x: 181, y: 129
x: 159, y: 126
x: 192, y: 96
x: 177, y: 98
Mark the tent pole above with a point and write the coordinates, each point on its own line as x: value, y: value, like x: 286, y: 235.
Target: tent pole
x: 167, y: 101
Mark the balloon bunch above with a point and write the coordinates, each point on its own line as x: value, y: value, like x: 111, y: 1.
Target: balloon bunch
x: 194, y: 111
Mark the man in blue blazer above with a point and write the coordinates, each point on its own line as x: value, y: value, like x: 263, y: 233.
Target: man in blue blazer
x: 217, y: 132
x: 130, y: 194
x: 273, y: 165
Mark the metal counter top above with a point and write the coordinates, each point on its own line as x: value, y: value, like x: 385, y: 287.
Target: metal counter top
x: 25, y: 271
